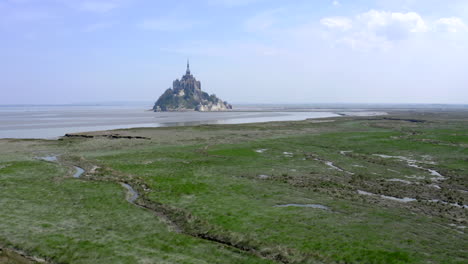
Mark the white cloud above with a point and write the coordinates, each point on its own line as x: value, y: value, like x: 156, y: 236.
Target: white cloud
x: 450, y: 24
x: 382, y: 29
x: 392, y: 22
x: 336, y: 3
x: 342, y: 23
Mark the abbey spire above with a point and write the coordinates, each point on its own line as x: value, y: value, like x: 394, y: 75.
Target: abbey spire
x: 188, y: 68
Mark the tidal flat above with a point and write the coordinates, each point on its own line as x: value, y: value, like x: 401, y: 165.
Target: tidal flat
x: 395, y: 189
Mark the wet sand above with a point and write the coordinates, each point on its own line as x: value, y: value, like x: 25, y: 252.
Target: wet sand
x: 53, y: 122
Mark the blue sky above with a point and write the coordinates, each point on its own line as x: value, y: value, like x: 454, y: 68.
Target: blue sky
x: 258, y: 51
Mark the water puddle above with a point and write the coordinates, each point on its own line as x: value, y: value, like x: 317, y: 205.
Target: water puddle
x: 406, y: 199
x: 365, y: 193
x: 400, y: 180
x: 132, y: 195
x: 260, y: 150
x: 263, y: 176
x: 317, y: 206
x: 458, y: 226
x: 288, y: 154
x: 79, y: 172
x: 416, y: 177
x: 403, y: 200
x: 51, y: 158
x: 331, y: 165
x: 447, y: 203
x: 438, y: 177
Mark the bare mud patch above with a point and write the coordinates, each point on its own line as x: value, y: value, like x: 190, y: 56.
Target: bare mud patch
x: 94, y: 169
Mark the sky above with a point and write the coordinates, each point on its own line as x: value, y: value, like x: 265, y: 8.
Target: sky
x: 244, y: 51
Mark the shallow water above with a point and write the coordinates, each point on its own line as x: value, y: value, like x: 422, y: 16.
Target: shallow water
x: 399, y: 180
x: 55, y: 121
x: 413, y: 163
x: 403, y: 200
x: 133, y: 194
x: 331, y: 165
x: 317, y: 206
x: 48, y: 158
x: 78, y: 173
x: 407, y: 199
x: 464, y: 206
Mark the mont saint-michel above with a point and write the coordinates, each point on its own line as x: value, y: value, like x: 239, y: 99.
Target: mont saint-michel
x: 186, y: 95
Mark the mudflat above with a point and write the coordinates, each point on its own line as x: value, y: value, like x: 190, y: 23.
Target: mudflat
x: 53, y: 122
x: 349, y: 189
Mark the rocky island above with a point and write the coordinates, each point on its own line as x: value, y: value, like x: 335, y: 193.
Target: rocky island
x: 186, y: 95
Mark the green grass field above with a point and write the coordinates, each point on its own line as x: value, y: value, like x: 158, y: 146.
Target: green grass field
x: 209, y: 194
